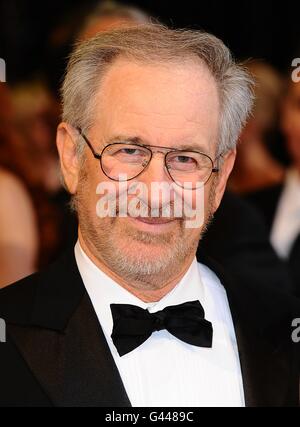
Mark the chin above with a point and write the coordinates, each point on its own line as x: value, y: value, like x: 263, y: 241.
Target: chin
x: 145, y: 250
x: 138, y: 264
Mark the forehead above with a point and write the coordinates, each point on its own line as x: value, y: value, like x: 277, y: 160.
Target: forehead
x: 162, y: 102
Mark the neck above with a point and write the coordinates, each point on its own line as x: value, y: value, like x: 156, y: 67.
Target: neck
x: 151, y: 290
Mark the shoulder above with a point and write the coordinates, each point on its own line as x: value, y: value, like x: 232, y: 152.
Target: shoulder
x: 45, y: 298
x: 17, y: 300
x: 262, y: 307
x: 269, y: 193
x: 236, y: 219
x: 266, y: 200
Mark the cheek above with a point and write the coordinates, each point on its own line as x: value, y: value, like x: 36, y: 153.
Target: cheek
x: 95, y: 178
x: 87, y: 190
x: 197, y: 198
x: 196, y: 218
x: 210, y: 194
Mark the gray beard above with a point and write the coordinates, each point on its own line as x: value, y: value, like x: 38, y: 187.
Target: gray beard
x: 136, y: 269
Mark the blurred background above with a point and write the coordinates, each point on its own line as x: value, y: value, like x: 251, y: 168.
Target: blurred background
x: 31, y: 31
x: 35, y: 41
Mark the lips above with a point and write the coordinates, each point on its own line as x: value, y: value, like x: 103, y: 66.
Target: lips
x: 154, y: 221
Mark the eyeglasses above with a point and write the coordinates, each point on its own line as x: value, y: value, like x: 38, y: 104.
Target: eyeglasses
x: 188, y: 169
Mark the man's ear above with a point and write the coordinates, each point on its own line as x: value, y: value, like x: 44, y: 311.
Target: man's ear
x: 224, y: 173
x: 66, y: 146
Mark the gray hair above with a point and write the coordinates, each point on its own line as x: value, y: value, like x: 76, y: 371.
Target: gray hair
x: 157, y: 43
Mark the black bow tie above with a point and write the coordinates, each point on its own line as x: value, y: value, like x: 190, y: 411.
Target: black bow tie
x: 134, y: 325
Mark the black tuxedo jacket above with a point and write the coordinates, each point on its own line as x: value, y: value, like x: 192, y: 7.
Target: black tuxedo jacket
x: 56, y: 353
x: 267, y: 202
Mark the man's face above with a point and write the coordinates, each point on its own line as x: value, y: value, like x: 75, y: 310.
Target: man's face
x: 167, y: 106
x: 291, y: 122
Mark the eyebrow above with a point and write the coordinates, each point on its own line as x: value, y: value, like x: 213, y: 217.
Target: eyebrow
x: 141, y: 141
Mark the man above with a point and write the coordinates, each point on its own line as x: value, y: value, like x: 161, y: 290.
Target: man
x: 18, y: 225
x: 280, y: 204
x: 130, y: 317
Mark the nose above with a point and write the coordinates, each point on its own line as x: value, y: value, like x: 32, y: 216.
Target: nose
x: 156, y: 172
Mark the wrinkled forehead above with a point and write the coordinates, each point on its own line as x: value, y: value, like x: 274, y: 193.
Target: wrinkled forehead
x: 163, y: 99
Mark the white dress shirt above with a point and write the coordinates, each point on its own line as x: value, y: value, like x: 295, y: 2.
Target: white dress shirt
x: 165, y: 371
x: 286, y: 226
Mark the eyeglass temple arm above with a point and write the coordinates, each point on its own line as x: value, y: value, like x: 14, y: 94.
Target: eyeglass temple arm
x: 217, y: 169
x: 97, y: 156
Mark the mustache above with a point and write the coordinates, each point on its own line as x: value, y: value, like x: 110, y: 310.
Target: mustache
x: 144, y: 210
x: 123, y: 204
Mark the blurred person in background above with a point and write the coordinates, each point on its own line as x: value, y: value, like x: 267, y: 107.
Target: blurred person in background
x: 108, y: 15
x: 36, y: 117
x: 280, y: 204
x: 18, y: 227
x: 18, y: 230
x: 84, y: 21
x: 30, y: 142
x: 255, y: 167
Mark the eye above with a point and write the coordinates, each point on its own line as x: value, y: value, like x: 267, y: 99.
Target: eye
x: 130, y: 151
x: 182, y: 162
x: 184, y: 159
x: 127, y: 153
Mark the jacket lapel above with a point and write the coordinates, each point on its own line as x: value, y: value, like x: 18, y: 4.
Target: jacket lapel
x: 64, y: 345
x: 266, y: 369
x: 294, y: 266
